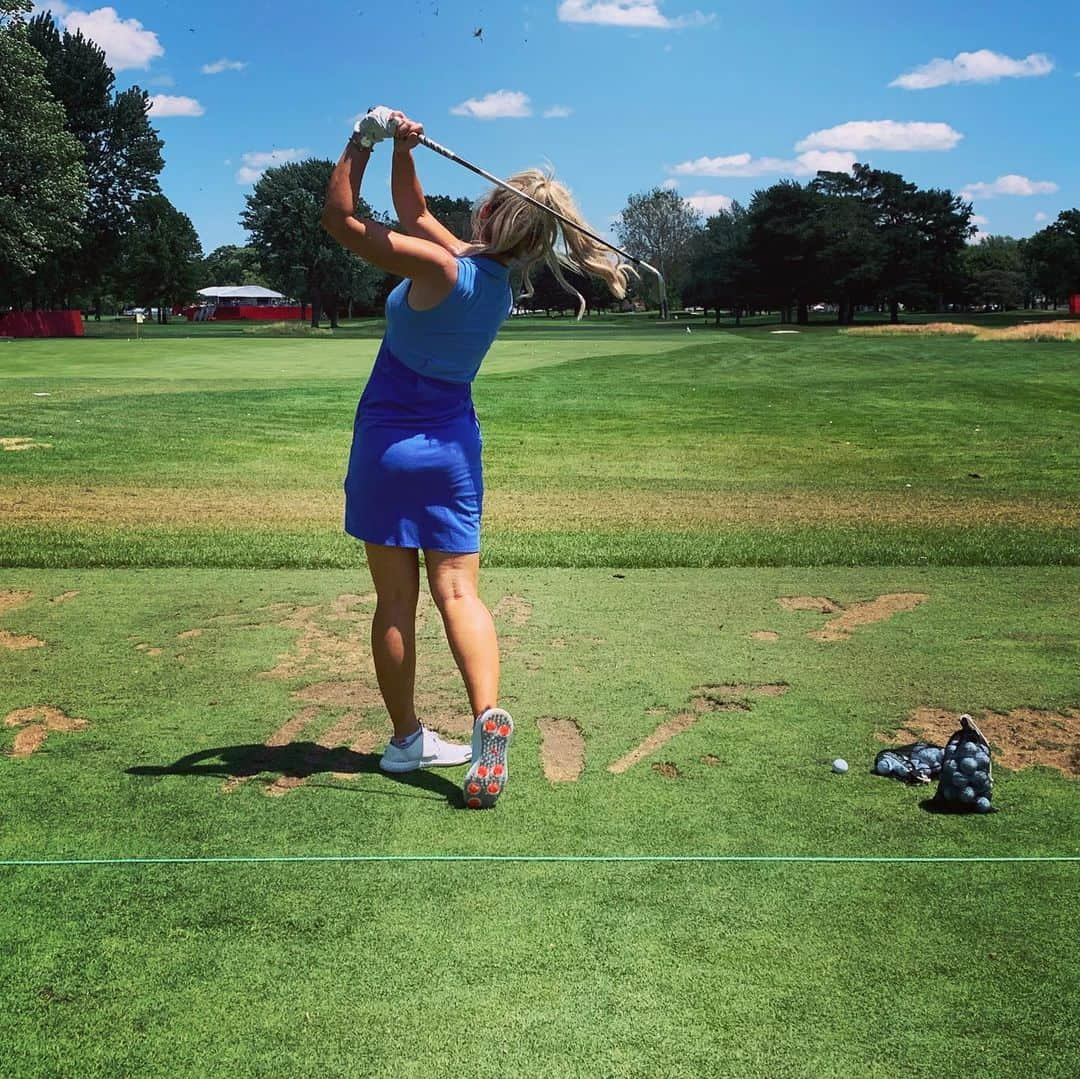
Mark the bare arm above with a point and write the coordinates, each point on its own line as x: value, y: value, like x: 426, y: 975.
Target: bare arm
x: 406, y: 256
x: 408, y: 195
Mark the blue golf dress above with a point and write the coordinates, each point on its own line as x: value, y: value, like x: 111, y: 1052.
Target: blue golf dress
x: 415, y: 477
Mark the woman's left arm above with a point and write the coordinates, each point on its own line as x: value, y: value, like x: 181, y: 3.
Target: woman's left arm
x: 406, y: 256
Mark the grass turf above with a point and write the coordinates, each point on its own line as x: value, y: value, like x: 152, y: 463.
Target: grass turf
x: 603, y: 445
x: 611, y: 448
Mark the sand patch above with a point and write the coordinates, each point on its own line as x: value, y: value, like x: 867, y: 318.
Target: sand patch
x: 562, y: 750
x: 868, y: 612
x: 515, y: 608
x: 666, y: 769
x: 37, y: 723
x: 822, y: 604
x: 765, y: 635
x: 10, y: 600
x: 1019, y: 738
x: 16, y: 642
x: 14, y: 445
x: 724, y: 697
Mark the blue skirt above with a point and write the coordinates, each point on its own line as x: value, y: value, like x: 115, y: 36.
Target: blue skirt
x: 415, y: 477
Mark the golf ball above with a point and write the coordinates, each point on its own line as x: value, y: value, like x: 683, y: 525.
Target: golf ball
x: 983, y: 805
x: 839, y: 765
x: 884, y: 766
x: 967, y: 795
x: 967, y: 765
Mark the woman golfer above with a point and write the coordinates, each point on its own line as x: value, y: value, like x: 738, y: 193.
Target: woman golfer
x: 414, y: 478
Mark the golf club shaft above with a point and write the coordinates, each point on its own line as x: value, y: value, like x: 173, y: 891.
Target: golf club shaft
x: 432, y: 145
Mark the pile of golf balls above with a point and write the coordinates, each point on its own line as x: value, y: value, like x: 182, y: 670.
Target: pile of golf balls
x: 920, y: 762
x: 965, y: 775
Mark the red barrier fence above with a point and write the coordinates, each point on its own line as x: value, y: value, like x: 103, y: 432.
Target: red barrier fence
x: 258, y: 314
x: 41, y: 324
x: 1074, y: 304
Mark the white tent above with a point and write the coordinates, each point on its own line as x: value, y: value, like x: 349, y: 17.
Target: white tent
x: 240, y: 292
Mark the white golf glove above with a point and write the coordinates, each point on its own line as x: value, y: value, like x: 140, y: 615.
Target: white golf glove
x: 374, y: 126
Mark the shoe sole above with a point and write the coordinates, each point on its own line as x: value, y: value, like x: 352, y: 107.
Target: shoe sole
x: 489, y: 773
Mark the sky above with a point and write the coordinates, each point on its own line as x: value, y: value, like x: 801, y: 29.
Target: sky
x: 619, y: 96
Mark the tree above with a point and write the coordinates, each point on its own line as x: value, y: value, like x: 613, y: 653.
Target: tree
x: 121, y: 154
x: 660, y: 227
x: 785, y: 238
x: 454, y: 213
x: 1053, y: 258
x: 297, y: 254
x: 162, y: 257
x: 232, y: 265
x: 995, y: 271
x: 43, y: 189
x: 721, y: 271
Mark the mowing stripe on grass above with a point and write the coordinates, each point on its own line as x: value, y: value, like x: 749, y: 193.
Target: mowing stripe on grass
x: 885, y: 859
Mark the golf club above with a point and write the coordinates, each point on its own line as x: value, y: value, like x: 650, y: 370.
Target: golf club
x: 432, y: 145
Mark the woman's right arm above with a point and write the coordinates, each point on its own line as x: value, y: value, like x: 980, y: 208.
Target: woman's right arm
x: 409, y: 202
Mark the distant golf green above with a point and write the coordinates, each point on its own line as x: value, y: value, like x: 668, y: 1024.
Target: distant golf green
x: 717, y: 561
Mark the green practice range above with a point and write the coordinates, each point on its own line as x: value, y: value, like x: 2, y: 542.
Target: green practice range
x: 716, y: 561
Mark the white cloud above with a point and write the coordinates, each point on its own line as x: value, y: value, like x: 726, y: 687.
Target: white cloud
x: 162, y: 105
x: 218, y: 66
x: 708, y: 204
x: 670, y: 185
x: 639, y: 14
x: 882, y: 135
x: 557, y: 112
x: 1040, y: 216
x: 1008, y: 185
x: 258, y: 161
x: 805, y: 164
x: 980, y: 66
x: 978, y: 219
x: 494, y: 106
x: 125, y: 42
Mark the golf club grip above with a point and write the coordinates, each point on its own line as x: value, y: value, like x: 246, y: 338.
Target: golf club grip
x: 431, y: 144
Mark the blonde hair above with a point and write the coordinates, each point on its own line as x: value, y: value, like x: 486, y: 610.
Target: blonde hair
x: 505, y: 225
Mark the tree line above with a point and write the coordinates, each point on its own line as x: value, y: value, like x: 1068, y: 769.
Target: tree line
x: 83, y: 223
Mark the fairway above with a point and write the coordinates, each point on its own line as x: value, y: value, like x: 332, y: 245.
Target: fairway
x: 716, y: 562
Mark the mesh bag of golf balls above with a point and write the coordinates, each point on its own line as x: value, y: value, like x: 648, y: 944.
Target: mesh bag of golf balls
x: 966, y: 778
x: 919, y: 762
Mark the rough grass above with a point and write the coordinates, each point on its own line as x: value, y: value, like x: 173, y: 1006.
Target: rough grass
x: 1062, y: 330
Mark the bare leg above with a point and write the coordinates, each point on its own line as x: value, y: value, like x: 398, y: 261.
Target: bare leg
x: 469, y: 627
x: 396, y: 573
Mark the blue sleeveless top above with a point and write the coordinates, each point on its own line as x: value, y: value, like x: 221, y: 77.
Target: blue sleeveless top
x: 449, y: 341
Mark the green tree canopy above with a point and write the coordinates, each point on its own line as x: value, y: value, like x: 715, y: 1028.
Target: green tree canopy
x: 996, y: 272
x: 298, y: 256
x: 454, y: 213
x: 722, y: 274
x: 660, y: 227
x: 162, y: 257
x: 232, y: 265
x: 121, y: 153
x: 43, y: 190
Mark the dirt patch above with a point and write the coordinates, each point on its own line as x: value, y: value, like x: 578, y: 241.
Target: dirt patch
x: 711, y: 760
x: 355, y: 695
x: 64, y: 597
x: 660, y: 737
x: 10, y: 600
x: 515, y: 608
x: 147, y: 650
x: 16, y: 642
x: 764, y: 635
x: 189, y: 634
x: 822, y: 604
x: 733, y: 696
x: 667, y: 770
x: 13, y: 445
x: 1019, y: 738
x: 37, y: 723
x: 868, y: 612
x: 562, y: 750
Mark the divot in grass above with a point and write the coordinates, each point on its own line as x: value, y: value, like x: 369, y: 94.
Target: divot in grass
x: 36, y: 723
x: 863, y: 613
x: 765, y: 635
x: 1019, y: 738
x: 666, y: 769
x: 14, y: 445
x: 562, y: 750
x: 15, y: 642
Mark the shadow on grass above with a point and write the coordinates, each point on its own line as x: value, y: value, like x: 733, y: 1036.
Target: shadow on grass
x: 299, y: 761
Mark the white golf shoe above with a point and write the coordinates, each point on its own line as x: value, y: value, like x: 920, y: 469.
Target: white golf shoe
x: 427, y: 751
x: 487, y: 777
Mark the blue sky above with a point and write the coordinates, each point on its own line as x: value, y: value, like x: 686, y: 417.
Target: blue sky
x: 712, y: 99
